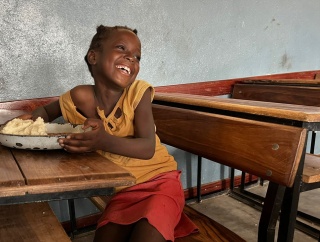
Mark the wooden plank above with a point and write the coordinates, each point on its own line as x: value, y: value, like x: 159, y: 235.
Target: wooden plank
x: 295, y: 82
x: 301, y: 95
x: 30, y: 222
x: 67, y: 186
x: 270, y: 151
x: 57, y: 166
x: 278, y: 110
x: 311, y: 169
x: 10, y: 175
x: 209, y: 229
x: 223, y: 87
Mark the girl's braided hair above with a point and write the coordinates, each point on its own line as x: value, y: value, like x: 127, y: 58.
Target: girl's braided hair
x: 103, y: 32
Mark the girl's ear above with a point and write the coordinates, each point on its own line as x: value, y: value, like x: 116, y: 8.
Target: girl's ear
x: 92, y: 57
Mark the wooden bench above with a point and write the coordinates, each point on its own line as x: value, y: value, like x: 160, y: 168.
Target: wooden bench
x: 209, y: 230
x: 30, y: 222
x: 301, y: 92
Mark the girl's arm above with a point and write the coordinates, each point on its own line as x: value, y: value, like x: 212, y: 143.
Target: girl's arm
x: 48, y: 112
x: 141, y: 146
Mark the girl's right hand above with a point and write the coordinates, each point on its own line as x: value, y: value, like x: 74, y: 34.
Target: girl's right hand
x: 25, y: 116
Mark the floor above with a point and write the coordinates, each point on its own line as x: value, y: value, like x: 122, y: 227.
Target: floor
x: 241, y: 218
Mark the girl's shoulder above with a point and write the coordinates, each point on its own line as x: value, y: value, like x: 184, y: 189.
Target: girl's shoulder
x: 82, y: 88
x: 82, y: 93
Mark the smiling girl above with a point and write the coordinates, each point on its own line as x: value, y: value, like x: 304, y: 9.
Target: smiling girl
x: 119, y: 111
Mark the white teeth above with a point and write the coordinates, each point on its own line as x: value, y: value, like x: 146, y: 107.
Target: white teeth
x: 127, y: 69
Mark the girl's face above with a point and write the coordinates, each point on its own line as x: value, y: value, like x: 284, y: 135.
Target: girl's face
x: 119, y: 61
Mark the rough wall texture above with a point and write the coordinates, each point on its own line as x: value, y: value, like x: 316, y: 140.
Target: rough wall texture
x: 42, y: 43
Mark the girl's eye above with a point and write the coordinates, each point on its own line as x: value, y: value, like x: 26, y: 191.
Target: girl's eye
x: 121, y: 47
x: 138, y: 58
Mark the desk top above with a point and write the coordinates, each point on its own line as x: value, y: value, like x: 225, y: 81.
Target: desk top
x: 25, y: 172
x: 277, y: 110
x: 53, y: 171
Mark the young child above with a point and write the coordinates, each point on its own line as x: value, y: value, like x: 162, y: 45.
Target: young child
x: 118, y: 109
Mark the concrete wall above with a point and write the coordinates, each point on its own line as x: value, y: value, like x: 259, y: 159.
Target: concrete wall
x: 42, y: 45
x: 43, y: 42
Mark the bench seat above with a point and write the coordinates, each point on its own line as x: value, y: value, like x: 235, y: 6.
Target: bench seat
x: 311, y: 169
x: 30, y: 222
x: 209, y: 229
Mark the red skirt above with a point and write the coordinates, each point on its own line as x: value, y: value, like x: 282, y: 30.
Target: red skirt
x: 160, y: 200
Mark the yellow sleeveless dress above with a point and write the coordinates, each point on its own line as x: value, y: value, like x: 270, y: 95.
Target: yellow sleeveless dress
x: 158, y: 195
x: 143, y: 170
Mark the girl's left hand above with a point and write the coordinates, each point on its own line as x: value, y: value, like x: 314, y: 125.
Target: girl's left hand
x: 87, y: 141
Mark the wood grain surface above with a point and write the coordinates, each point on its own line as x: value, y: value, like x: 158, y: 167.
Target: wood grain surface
x: 311, y: 169
x: 271, y: 151
x: 57, y: 166
x: 278, y: 110
x: 223, y: 87
x: 10, y: 175
x: 301, y: 95
x: 30, y: 222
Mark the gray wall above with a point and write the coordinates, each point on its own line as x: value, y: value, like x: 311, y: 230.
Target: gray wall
x: 42, y: 45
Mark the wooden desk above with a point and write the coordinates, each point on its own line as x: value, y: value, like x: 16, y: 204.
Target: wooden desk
x: 28, y: 176
x: 46, y: 175
x: 286, y: 114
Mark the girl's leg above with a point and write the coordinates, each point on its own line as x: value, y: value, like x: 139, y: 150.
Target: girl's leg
x: 113, y: 232
x: 142, y: 230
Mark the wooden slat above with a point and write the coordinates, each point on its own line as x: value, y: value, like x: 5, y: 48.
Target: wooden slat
x: 270, y: 151
x: 67, y: 187
x: 209, y: 229
x: 10, y: 175
x: 56, y: 166
x: 311, y: 169
x: 29, y: 223
x: 301, y: 95
x: 278, y: 110
x: 297, y: 82
x: 222, y: 87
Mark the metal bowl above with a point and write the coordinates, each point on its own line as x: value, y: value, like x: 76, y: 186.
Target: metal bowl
x: 43, y: 142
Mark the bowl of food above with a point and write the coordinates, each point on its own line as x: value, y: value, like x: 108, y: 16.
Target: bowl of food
x: 35, y: 135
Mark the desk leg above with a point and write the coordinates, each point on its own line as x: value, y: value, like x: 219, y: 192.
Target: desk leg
x: 270, y: 212
x: 289, y: 207
x: 199, y: 176
x: 72, y: 215
x: 231, y: 178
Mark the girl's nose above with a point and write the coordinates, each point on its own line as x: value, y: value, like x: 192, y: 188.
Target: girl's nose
x: 129, y: 58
